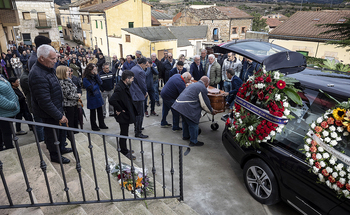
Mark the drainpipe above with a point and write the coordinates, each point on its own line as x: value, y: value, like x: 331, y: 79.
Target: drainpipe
x: 89, y: 17
x: 317, y: 49
x: 229, y: 30
x: 104, y: 15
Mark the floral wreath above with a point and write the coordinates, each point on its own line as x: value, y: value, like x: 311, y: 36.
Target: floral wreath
x: 328, y: 131
x: 270, y: 91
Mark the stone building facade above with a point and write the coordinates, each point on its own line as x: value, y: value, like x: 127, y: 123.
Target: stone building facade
x: 8, y: 20
x: 37, y: 17
x: 224, y: 23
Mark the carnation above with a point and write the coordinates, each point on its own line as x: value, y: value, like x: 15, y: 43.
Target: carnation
x: 308, y: 140
x: 285, y: 104
x: 332, y: 161
x: 334, y: 135
x: 335, y: 187
x: 238, y: 114
x: 250, y: 128
x: 327, y: 139
x: 333, y: 142
x: 320, y: 176
x: 346, y: 192
x: 346, y: 133
x: 279, y: 129
x: 340, y: 129
x: 286, y: 112
x: 313, y: 125
x: 311, y: 161
x: 323, y: 164
x: 325, y: 133
x: 318, y: 156
x: 320, y: 149
x: 325, y: 155
x: 273, y: 133
x: 335, y: 174
x: 319, y: 120
x: 329, y: 184
x: 277, y: 97
x: 329, y: 170
x: 342, y: 173
x: 276, y: 75
x: 315, y: 169
x: 342, y: 180
x: 268, y: 137
x: 307, y: 148
x: 308, y: 154
x: 332, y: 128
x: 339, y: 166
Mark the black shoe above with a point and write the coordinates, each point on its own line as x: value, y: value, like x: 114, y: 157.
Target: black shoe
x: 57, y: 160
x: 157, y: 103
x: 186, y: 138
x: 130, y: 156
x: 141, y: 136
x: 111, y: 115
x: 142, y: 128
x: 95, y: 129
x: 66, y: 150
x: 132, y: 151
x: 103, y: 127
x: 199, y: 143
x: 177, y: 130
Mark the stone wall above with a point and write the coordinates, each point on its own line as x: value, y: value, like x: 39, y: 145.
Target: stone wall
x: 30, y: 26
x: 239, y: 24
x: 221, y: 25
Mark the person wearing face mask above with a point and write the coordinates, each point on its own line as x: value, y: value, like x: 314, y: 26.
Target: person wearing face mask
x: 125, y: 110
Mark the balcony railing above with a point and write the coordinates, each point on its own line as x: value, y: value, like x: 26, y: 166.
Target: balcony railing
x: 149, y: 150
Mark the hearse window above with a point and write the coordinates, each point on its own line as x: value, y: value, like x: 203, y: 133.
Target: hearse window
x: 315, y: 104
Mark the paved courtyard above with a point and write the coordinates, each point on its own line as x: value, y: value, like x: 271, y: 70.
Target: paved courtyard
x: 213, y: 182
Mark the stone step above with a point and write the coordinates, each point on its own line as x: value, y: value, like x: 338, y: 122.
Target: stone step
x: 101, y: 174
x: 73, y: 183
x: 36, y: 178
x: 16, y: 185
x: 173, y: 204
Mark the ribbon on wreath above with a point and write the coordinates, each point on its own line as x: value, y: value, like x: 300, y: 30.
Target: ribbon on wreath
x: 343, y: 157
x: 260, y: 112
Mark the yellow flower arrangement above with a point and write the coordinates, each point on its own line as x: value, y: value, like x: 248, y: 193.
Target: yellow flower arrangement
x: 339, y: 114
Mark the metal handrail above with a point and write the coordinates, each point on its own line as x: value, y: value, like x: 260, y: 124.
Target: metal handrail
x: 43, y: 167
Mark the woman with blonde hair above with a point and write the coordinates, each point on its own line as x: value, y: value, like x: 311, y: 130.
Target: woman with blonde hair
x: 70, y: 95
x: 93, y: 60
x: 186, y: 63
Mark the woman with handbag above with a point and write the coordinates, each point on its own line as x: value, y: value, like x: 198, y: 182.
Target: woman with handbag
x: 92, y: 82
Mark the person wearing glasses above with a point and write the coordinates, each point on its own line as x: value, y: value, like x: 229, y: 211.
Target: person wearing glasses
x: 168, y: 65
x: 230, y: 63
x: 196, y: 68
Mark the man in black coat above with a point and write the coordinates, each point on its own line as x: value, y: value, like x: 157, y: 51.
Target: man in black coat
x: 168, y: 65
x: 125, y: 110
x: 100, y: 62
x: 47, y: 99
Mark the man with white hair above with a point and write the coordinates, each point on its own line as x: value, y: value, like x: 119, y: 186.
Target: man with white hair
x: 138, y: 54
x: 213, y: 71
x: 47, y: 99
x: 171, y: 90
x: 196, y: 68
x: 190, y: 104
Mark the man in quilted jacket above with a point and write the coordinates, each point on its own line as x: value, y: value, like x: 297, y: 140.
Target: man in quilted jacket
x: 47, y: 99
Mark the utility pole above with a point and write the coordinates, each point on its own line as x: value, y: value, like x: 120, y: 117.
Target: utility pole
x: 301, y: 6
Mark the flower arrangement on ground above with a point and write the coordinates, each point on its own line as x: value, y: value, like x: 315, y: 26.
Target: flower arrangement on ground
x: 324, y: 148
x: 142, y: 184
x: 262, y: 107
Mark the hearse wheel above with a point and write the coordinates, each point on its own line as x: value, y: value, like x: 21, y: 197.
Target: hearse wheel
x: 261, y: 182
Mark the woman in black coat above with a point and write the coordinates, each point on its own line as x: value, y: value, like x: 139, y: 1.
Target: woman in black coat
x: 124, y: 108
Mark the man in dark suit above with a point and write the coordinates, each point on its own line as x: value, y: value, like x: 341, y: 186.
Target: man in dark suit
x: 125, y: 110
x: 179, y: 69
x: 138, y: 92
x: 196, y: 68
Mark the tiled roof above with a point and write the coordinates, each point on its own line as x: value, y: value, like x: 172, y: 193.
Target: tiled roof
x: 217, y: 13
x: 304, y: 24
x: 159, y: 15
x: 155, y: 21
x: 233, y: 12
x: 157, y: 33
x: 177, y: 16
x: 105, y: 6
x: 74, y: 4
x: 273, y: 22
x: 184, y: 33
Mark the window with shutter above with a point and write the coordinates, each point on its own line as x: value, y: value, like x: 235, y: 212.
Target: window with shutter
x: 42, y: 19
x: 26, y: 15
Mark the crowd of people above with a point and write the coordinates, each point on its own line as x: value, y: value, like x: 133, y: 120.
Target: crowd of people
x: 52, y: 82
